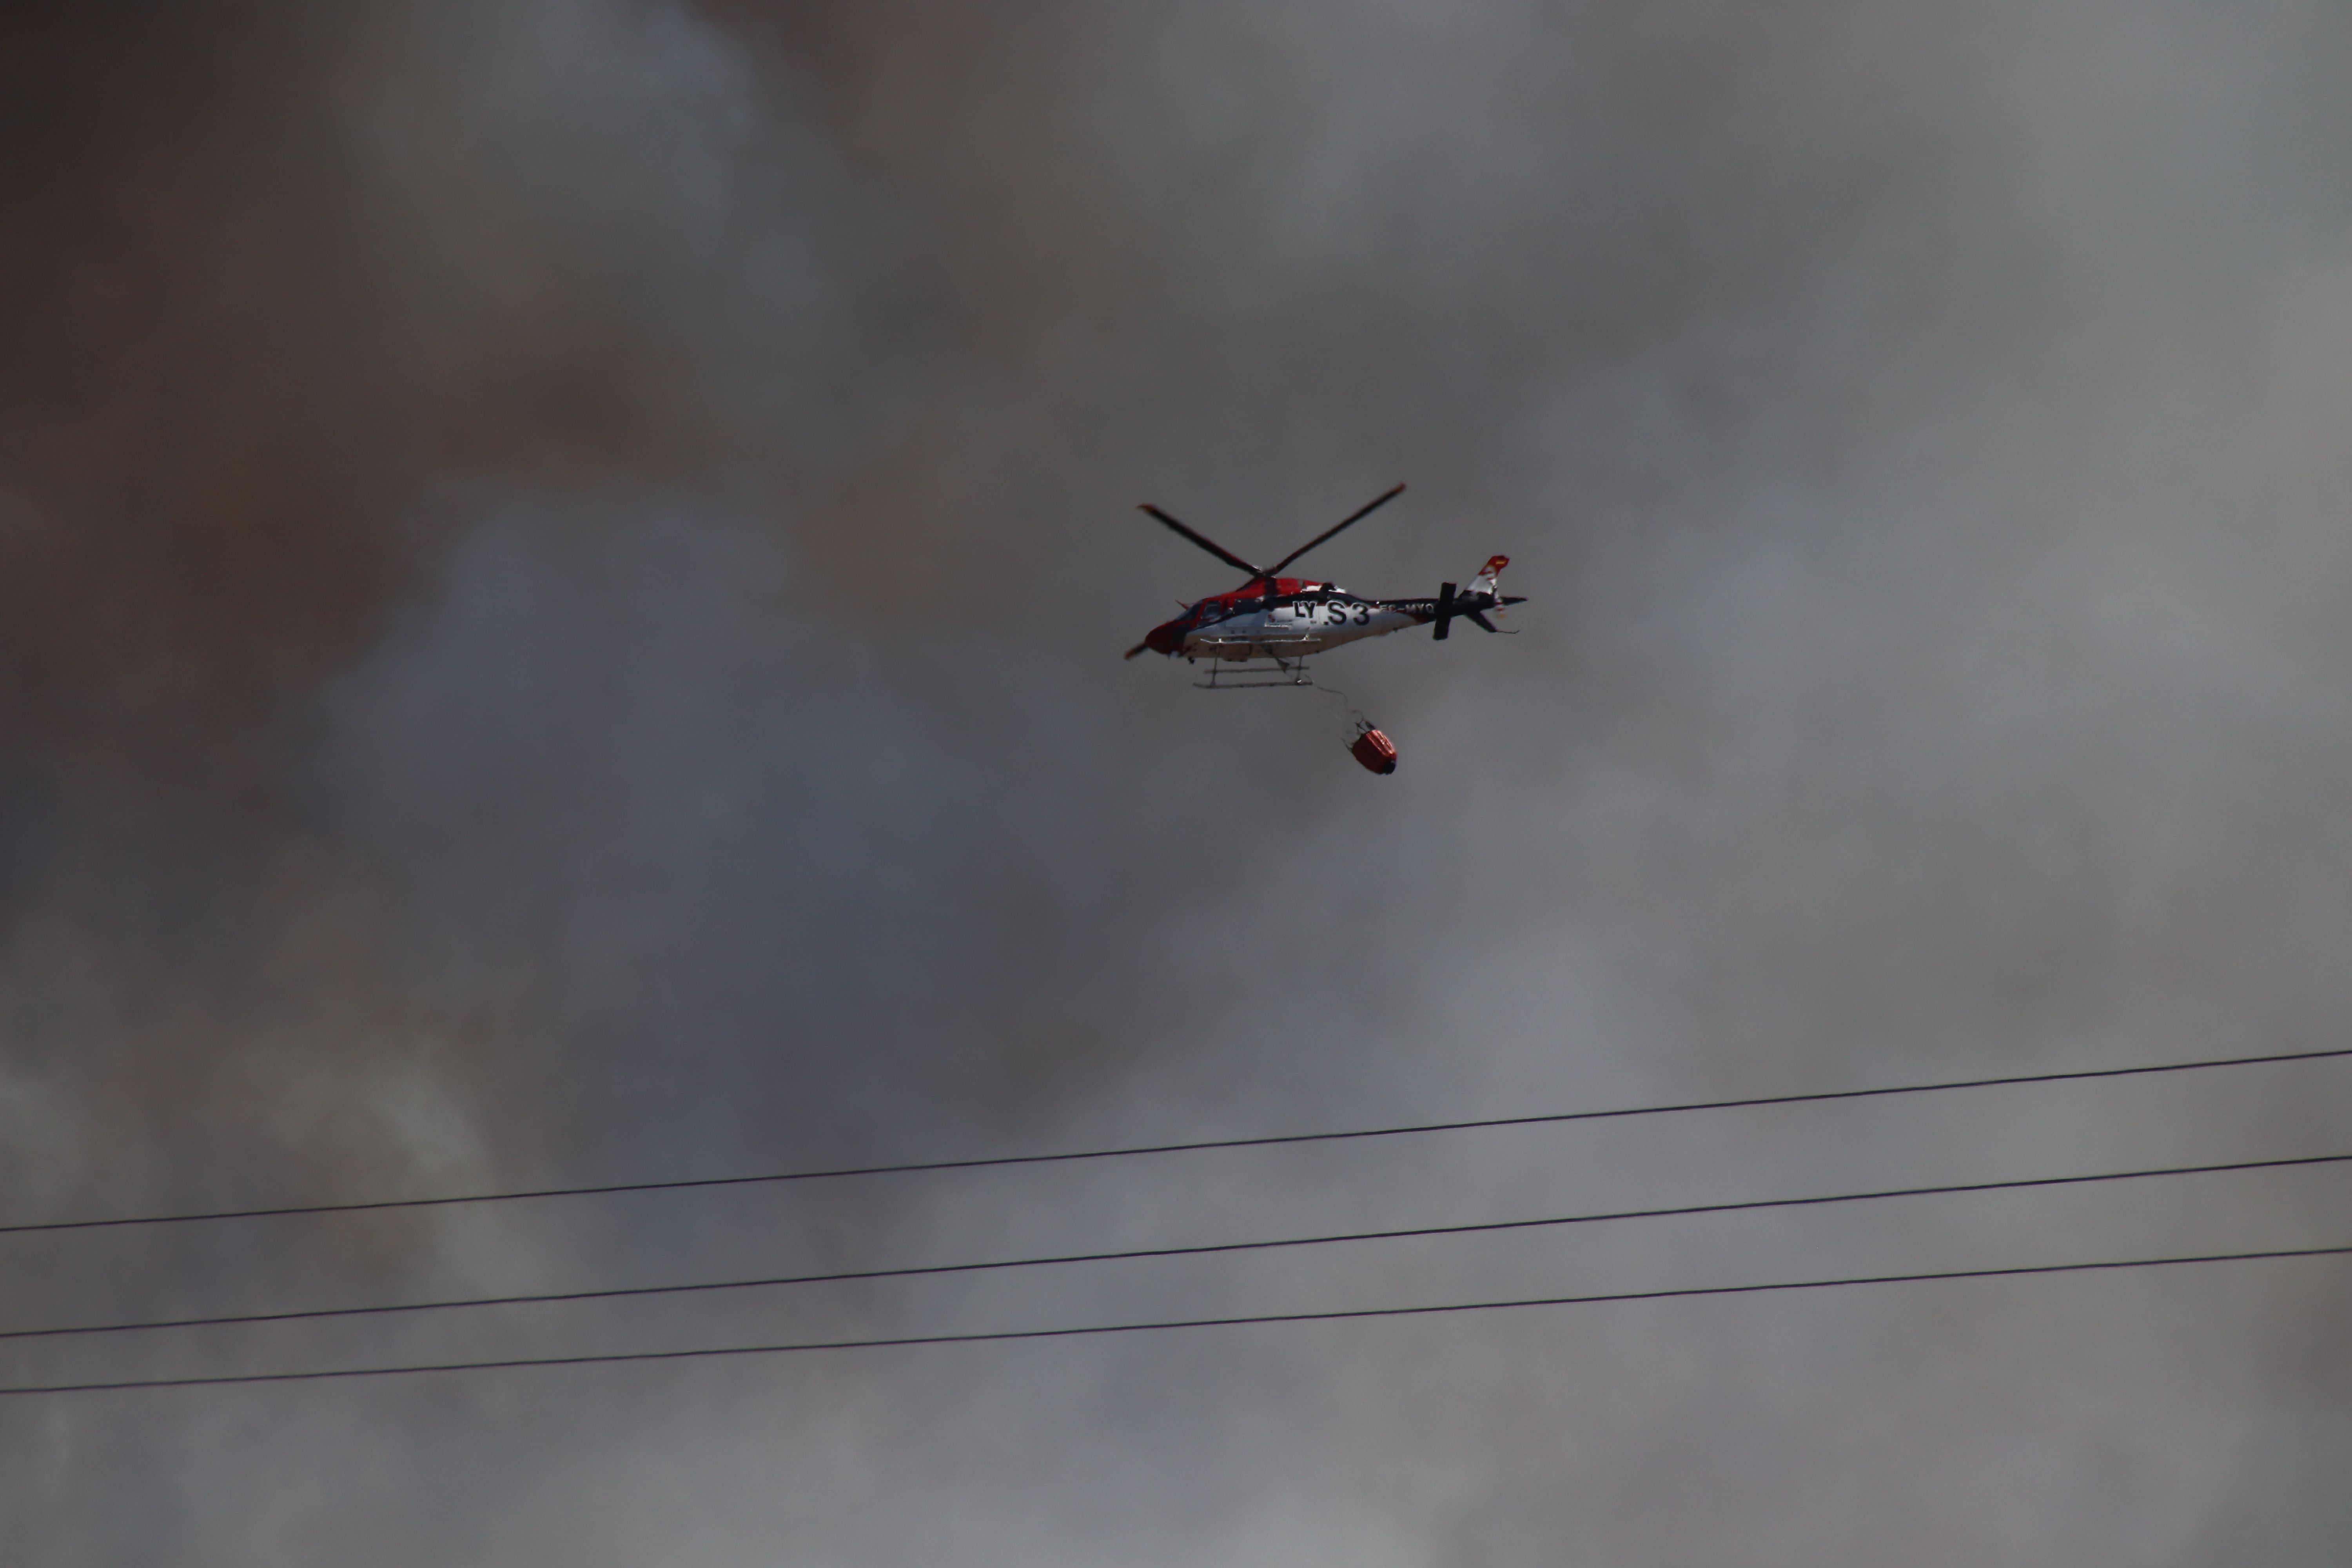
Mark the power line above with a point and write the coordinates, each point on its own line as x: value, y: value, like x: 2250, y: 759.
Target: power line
x: 1099, y: 1329
x: 993, y: 1162
x: 1136, y: 1254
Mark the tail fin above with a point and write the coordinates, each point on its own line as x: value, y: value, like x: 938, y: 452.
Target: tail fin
x: 1472, y: 604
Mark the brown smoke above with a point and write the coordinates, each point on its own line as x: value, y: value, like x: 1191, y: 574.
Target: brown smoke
x: 561, y: 564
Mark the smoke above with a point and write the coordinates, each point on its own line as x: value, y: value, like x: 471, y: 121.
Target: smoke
x: 563, y: 568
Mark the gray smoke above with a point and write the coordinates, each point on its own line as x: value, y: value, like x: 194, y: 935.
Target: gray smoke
x: 564, y: 566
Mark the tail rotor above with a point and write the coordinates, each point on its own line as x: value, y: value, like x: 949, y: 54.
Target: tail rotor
x: 1485, y: 593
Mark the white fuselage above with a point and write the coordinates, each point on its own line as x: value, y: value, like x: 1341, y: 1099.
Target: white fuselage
x: 1295, y: 629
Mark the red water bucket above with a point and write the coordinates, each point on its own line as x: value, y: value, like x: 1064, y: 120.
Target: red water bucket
x: 1375, y: 750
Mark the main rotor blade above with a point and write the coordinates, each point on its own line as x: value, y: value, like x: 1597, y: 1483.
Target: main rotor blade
x: 1351, y: 520
x: 1211, y: 545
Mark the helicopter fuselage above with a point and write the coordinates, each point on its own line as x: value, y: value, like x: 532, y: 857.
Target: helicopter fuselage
x: 1297, y: 619
x: 1286, y: 618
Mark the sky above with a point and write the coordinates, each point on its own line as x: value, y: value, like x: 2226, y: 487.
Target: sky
x: 563, y: 566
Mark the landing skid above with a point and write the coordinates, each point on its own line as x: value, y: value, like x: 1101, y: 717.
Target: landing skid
x: 1252, y: 674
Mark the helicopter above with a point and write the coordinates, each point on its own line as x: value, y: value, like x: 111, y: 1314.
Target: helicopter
x: 1284, y: 619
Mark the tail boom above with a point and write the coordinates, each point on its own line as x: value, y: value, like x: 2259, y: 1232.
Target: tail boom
x: 1470, y: 604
